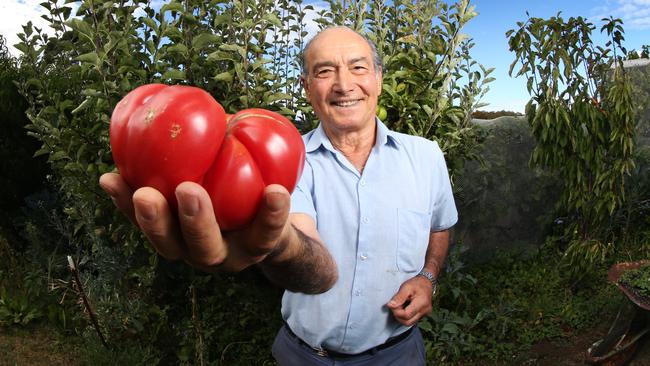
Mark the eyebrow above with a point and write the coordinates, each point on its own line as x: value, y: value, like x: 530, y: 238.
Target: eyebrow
x: 332, y: 64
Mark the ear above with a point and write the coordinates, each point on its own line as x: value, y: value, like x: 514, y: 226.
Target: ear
x: 305, y: 86
x: 380, y: 79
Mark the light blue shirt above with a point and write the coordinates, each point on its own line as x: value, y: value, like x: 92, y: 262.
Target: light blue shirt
x: 376, y: 226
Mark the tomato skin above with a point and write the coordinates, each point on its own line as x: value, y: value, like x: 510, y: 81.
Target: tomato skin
x: 164, y: 135
x: 235, y: 185
x: 261, y: 148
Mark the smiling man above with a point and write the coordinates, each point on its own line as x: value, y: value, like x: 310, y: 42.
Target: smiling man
x: 358, y: 245
x: 382, y: 205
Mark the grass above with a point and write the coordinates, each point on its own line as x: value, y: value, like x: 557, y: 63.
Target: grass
x: 517, y: 303
x: 37, y: 345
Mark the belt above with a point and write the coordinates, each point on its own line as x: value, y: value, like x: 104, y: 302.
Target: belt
x: 323, y: 352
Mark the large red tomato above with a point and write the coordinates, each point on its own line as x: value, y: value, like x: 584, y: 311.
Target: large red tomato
x: 261, y: 148
x: 164, y: 135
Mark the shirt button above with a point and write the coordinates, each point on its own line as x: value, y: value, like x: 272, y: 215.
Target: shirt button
x: 357, y: 292
x: 351, y: 326
x: 366, y: 220
x: 363, y: 183
x: 363, y: 257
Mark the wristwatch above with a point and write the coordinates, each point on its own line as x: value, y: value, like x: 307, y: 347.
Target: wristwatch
x: 433, y: 279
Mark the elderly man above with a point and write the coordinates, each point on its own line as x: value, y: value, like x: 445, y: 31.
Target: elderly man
x: 367, y: 232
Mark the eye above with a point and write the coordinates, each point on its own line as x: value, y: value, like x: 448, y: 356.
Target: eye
x: 324, y: 72
x: 359, y: 69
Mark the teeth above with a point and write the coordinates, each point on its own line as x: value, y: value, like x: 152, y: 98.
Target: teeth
x: 345, y: 104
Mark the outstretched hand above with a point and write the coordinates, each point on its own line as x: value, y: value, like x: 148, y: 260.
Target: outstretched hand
x: 412, y: 301
x: 194, y: 236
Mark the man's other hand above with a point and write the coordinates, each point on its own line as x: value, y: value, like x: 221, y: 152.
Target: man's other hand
x: 412, y: 301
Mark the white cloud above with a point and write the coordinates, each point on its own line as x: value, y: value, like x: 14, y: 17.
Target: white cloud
x: 634, y: 13
x: 16, y: 13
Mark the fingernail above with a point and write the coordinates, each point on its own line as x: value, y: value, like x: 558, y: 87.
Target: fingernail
x: 189, y: 205
x: 147, y: 211
x: 391, y: 303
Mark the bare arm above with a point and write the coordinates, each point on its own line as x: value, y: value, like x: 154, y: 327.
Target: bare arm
x: 302, y: 263
x: 436, y: 251
x: 290, y: 251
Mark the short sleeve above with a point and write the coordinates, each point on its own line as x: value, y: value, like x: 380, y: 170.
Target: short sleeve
x: 302, y: 200
x: 444, y: 214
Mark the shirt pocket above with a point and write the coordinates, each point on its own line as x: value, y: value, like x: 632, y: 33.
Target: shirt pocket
x: 412, y: 239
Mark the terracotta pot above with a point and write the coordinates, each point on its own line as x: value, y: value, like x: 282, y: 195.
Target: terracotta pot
x: 614, y: 274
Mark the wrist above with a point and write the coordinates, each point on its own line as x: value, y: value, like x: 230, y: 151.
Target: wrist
x: 282, y: 251
x: 433, y: 279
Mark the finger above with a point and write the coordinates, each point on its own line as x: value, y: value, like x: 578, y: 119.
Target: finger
x: 401, y: 298
x: 411, y: 313
x: 269, y: 222
x: 205, y: 246
x: 157, y: 222
x: 120, y: 192
x: 412, y: 320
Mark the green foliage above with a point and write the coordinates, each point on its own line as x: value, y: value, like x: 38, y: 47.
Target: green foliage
x: 638, y: 280
x: 21, y: 174
x: 515, y: 303
x: 493, y: 114
x: 643, y: 53
x: 582, y: 117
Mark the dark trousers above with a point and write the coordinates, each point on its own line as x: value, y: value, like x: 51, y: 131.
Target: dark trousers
x: 288, y: 350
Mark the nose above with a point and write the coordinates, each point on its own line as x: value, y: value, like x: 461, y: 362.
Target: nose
x: 344, y: 82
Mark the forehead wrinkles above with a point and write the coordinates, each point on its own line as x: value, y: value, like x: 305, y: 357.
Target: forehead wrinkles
x: 340, y: 49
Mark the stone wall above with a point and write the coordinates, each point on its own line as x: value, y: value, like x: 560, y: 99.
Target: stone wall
x: 504, y: 205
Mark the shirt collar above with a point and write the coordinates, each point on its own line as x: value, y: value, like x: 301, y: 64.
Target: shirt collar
x: 384, y: 137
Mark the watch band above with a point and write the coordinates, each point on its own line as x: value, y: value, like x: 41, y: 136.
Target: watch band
x: 433, y: 279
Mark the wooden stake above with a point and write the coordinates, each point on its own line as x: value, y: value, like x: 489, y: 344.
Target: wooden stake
x: 82, y: 294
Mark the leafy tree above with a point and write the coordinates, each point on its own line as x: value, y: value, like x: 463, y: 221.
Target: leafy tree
x: 582, y: 116
x: 634, y: 54
x: 21, y: 174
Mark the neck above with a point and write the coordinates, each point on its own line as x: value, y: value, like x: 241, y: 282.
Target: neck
x: 354, y: 145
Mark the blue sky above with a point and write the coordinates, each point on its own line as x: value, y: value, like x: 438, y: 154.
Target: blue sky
x: 488, y: 30
x: 496, y: 17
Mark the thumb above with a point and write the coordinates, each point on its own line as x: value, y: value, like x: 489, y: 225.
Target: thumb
x: 270, y: 220
x: 399, y: 299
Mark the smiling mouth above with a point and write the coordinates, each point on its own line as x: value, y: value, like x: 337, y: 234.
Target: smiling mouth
x: 345, y: 103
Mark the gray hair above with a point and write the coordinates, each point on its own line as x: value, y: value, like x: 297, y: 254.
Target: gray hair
x: 375, y: 55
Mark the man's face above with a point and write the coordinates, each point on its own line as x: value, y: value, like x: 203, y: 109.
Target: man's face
x: 342, y: 84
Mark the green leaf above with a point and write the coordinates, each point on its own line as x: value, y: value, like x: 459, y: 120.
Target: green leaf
x: 174, y: 74
x: 172, y: 6
x: 204, y: 40
x: 84, y: 105
x: 58, y: 155
x: 82, y: 27
x: 149, y: 22
x: 90, y: 57
x: 233, y: 47
x: 224, y: 76
x: 277, y: 96
x: 178, y: 48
